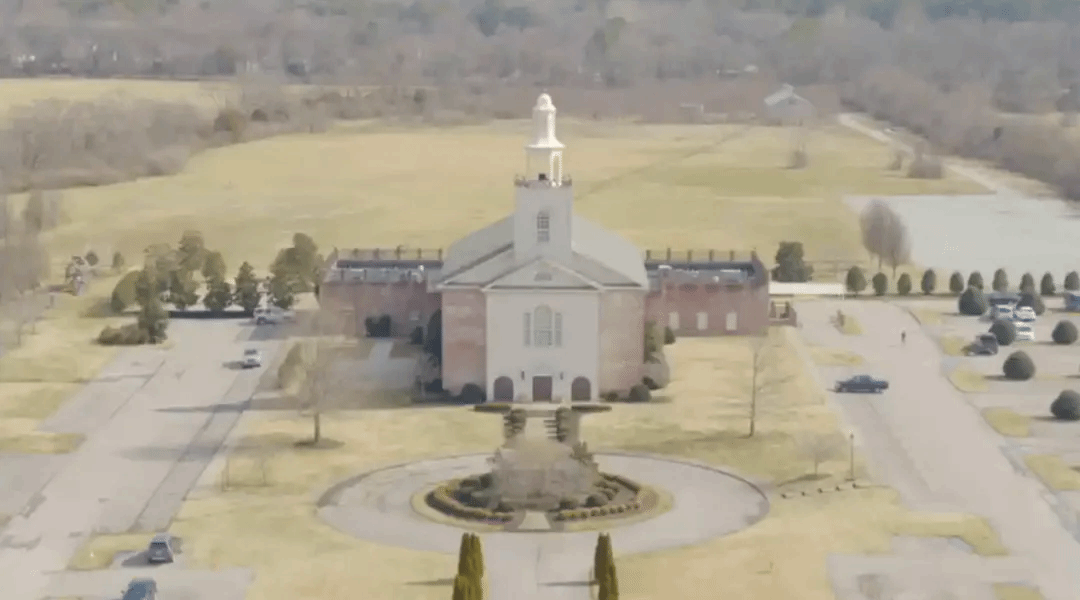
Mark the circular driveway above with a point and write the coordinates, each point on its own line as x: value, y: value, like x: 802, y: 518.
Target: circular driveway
x: 707, y: 503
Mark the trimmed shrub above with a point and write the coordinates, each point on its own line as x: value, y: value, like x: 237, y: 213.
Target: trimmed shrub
x: 417, y: 336
x: 956, y: 283
x: 650, y: 383
x: 1000, y: 282
x: 1033, y: 300
x: 973, y: 302
x: 1064, y: 333
x: 472, y: 394
x: 125, y: 335
x: 976, y: 280
x: 855, y: 280
x: 669, y: 336
x: 903, y: 284
x: 1018, y: 367
x: 125, y: 293
x: 1005, y: 331
x: 640, y: 393
x: 378, y: 327
x: 1066, y: 406
x: 610, y: 396
x: 1027, y: 283
x: 1071, y: 282
x: 929, y: 282
x: 92, y: 258
x: 117, y: 261
x: 880, y: 282
x: 1046, y: 285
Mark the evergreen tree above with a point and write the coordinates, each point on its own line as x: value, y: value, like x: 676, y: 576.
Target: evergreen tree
x: 929, y: 282
x: 191, y: 251
x: 284, y: 284
x: 956, y: 283
x: 246, y: 289
x: 466, y: 563
x: 855, y: 280
x: 182, y: 289
x: 219, y: 295
x: 214, y: 266
x: 154, y: 320
x: 903, y: 285
x: 463, y: 589
x: 1046, y: 285
x: 478, y: 556
x: 117, y: 261
x: 1027, y: 283
x: 1000, y: 282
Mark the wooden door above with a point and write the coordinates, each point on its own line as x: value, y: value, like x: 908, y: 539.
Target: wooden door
x: 504, y: 389
x: 542, y: 387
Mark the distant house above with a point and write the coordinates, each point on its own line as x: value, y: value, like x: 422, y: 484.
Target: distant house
x: 785, y: 107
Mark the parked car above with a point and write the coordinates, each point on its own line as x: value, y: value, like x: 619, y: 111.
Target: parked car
x: 162, y: 549
x: 252, y: 358
x: 1072, y: 301
x: 1024, y: 333
x: 864, y: 384
x: 999, y: 311
x: 1025, y: 314
x: 985, y: 344
x: 272, y: 315
x: 140, y: 589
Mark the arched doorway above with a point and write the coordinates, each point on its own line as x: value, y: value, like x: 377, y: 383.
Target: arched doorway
x: 504, y: 389
x: 580, y: 390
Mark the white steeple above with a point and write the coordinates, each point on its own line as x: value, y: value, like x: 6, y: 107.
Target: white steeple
x: 544, y: 153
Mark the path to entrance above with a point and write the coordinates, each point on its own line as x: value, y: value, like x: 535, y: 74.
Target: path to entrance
x: 377, y: 506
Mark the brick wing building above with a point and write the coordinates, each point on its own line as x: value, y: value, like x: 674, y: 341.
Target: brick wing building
x: 544, y: 305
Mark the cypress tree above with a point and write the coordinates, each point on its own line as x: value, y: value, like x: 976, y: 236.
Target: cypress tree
x: 462, y: 588
x: 612, y: 582
x: 466, y: 565
x: 478, y: 555
x: 600, y: 558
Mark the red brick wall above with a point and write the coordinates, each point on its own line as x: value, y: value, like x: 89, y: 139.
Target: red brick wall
x: 400, y: 300
x: 464, y: 322
x: 750, y: 302
x: 622, y: 341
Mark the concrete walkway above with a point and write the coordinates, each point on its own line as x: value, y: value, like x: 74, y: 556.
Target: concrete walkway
x: 951, y: 448
x: 151, y: 426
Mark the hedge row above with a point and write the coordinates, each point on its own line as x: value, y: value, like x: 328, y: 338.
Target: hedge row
x: 442, y: 500
x: 856, y: 282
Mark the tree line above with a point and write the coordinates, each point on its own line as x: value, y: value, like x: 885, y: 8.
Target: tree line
x: 189, y: 273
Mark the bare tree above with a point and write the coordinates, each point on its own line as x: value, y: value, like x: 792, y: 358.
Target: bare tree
x: 885, y: 235
x: 819, y: 448
x: 322, y: 386
x: 765, y: 374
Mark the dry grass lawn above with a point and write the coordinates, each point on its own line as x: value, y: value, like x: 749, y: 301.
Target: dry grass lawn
x: 270, y: 524
x: 1008, y: 591
x: 784, y: 555
x: 1008, y: 422
x: 927, y: 316
x: 1053, y: 471
x: 968, y: 381
x: 954, y: 345
x: 831, y: 357
x: 55, y: 357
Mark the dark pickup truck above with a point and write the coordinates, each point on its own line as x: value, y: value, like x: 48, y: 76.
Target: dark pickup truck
x: 864, y: 384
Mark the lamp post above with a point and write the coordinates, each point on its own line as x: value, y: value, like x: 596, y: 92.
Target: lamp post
x: 851, y: 455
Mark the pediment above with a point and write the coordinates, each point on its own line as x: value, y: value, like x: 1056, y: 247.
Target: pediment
x: 541, y: 274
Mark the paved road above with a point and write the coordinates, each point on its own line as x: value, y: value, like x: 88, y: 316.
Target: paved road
x: 152, y: 422
x: 548, y: 566
x: 945, y: 442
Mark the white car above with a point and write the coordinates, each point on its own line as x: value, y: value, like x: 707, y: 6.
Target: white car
x: 1000, y: 311
x: 272, y: 314
x: 252, y: 358
x: 1024, y: 333
x: 1025, y: 314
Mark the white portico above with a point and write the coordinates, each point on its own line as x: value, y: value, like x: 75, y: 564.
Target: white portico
x: 549, y: 282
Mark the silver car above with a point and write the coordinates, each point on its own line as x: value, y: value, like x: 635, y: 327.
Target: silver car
x: 162, y: 549
x: 252, y: 358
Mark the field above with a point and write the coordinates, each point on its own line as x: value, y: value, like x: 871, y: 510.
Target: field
x: 263, y: 516
x: 374, y: 184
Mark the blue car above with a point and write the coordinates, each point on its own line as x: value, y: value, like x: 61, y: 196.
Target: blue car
x: 862, y: 384
x: 141, y: 589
